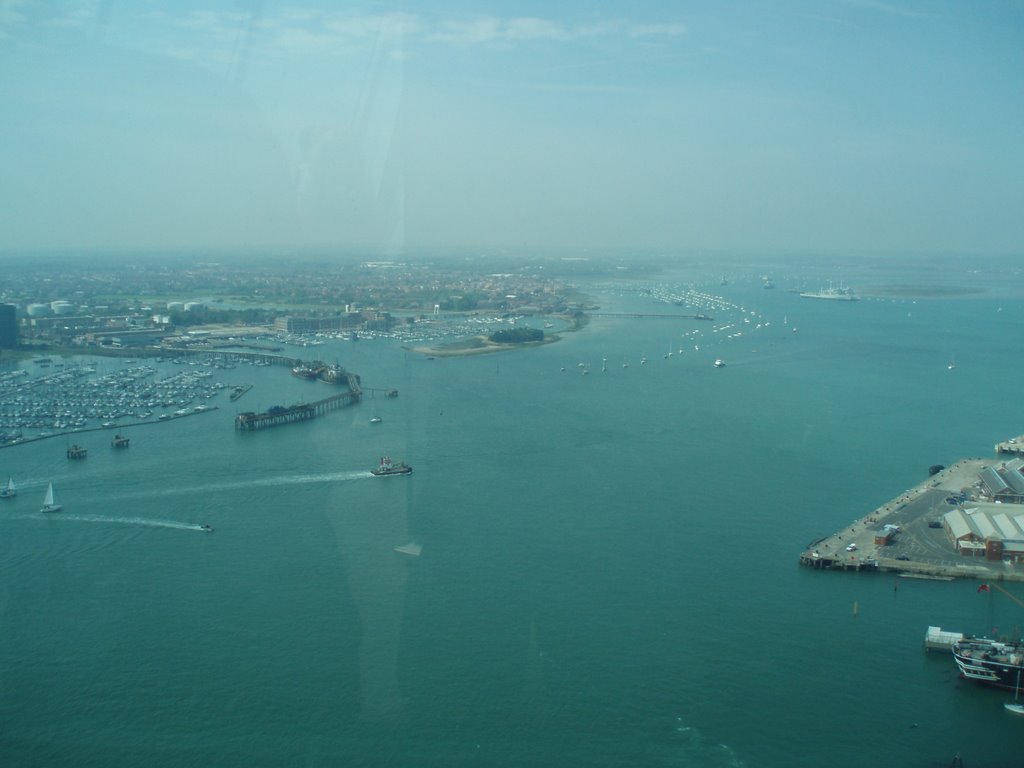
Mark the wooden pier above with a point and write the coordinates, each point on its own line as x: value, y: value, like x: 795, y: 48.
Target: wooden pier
x: 276, y: 417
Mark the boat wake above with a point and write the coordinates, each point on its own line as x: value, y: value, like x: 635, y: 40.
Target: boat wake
x: 693, y: 749
x: 272, y: 481
x: 260, y: 482
x: 326, y: 477
x: 130, y: 521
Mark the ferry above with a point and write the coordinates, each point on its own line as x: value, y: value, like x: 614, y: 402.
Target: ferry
x: 388, y: 467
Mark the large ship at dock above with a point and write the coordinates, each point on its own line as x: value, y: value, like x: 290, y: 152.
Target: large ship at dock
x: 991, y: 662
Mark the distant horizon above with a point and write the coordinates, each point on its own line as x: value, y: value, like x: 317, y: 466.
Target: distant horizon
x: 843, y: 126
x: 558, y: 253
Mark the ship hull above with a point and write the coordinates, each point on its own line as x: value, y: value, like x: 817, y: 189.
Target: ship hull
x: 393, y: 471
x: 830, y: 297
x: 990, y: 662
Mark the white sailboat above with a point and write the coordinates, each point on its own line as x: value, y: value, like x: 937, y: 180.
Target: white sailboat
x: 50, y: 501
x: 9, y: 491
x: 1015, y: 706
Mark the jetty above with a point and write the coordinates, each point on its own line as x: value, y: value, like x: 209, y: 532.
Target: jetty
x: 938, y: 639
x: 77, y: 452
x: 279, y: 415
x: 1013, y: 446
x: 963, y: 521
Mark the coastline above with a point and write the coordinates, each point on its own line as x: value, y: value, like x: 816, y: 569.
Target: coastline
x: 478, y: 345
x: 482, y: 345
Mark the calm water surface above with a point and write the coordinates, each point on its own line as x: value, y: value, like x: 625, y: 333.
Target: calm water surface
x: 609, y: 560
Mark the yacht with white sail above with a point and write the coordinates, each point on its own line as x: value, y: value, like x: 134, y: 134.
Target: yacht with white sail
x: 50, y: 501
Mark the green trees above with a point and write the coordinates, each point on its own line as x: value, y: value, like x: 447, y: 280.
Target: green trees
x: 517, y: 335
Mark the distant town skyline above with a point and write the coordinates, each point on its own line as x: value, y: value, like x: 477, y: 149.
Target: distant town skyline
x: 842, y: 125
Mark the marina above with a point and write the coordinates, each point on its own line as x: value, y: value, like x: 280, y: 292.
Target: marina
x: 79, y: 399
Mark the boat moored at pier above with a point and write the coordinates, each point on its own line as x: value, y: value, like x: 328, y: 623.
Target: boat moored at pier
x: 991, y: 662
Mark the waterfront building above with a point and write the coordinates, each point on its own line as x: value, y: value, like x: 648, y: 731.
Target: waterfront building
x: 987, y: 532
x: 328, y: 324
x: 1004, y: 482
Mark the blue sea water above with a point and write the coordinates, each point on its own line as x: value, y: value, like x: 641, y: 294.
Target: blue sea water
x: 608, y: 572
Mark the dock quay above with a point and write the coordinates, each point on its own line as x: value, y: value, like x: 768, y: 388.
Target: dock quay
x: 280, y: 415
x: 937, y: 639
x: 1013, y: 446
x: 963, y: 521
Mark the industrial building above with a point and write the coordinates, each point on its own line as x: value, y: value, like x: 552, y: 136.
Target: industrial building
x: 993, y: 528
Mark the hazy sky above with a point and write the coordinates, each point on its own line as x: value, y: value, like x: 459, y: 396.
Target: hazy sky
x: 856, y: 125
